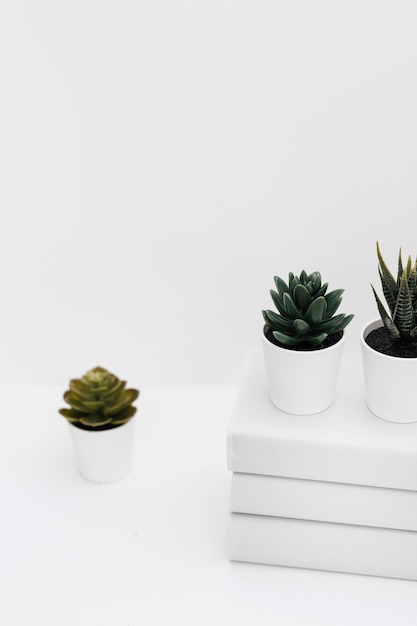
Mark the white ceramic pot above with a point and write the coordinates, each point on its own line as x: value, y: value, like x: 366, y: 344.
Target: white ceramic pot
x: 104, y: 456
x: 389, y: 381
x: 299, y: 381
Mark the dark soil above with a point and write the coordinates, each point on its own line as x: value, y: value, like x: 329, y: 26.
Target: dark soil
x: 380, y: 341
x: 329, y: 341
x: 96, y: 428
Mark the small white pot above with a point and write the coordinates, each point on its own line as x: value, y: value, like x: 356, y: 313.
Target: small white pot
x: 104, y: 456
x: 302, y: 382
x: 389, y: 381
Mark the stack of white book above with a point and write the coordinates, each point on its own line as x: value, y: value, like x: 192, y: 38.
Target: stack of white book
x: 333, y: 491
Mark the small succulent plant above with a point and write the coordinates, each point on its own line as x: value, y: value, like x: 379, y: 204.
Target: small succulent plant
x: 99, y: 401
x: 306, y: 313
x: 401, y: 297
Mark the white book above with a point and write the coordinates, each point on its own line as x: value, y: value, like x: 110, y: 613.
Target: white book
x: 323, y: 501
x: 344, y: 444
x: 323, y: 546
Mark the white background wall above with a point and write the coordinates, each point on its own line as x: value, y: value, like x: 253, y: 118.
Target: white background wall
x: 161, y: 160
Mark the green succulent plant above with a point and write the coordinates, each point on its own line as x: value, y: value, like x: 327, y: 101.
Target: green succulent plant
x: 401, y: 297
x: 306, y: 313
x: 99, y: 400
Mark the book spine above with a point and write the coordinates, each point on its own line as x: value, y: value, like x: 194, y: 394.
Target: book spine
x: 323, y: 546
x: 323, y: 501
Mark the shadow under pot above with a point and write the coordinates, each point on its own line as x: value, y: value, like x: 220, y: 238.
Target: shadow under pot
x: 302, y: 382
x: 389, y: 381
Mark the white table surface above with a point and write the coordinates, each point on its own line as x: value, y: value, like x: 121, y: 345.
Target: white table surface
x: 150, y: 549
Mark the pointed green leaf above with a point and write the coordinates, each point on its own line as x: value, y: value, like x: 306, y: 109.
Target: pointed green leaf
x: 94, y: 405
x: 407, y: 268
x: 388, y: 281
x: 393, y: 331
x: 316, y: 311
x: 333, y: 296
x: 301, y: 328
x: 286, y: 340
x: 278, y: 301
x: 336, y: 324
x: 110, y: 396
x: 294, y: 282
x: 80, y: 389
x: 412, y: 283
x: 389, y: 295
x: 124, y: 415
x: 71, y: 414
x: 281, y: 285
x: 403, y: 317
x: 276, y: 322
x: 322, y: 290
x: 315, y: 278
x: 126, y: 398
x: 74, y: 402
x: 302, y: 297
x: 333, y: 299
x: 400, y: 269
x: 290, y: 307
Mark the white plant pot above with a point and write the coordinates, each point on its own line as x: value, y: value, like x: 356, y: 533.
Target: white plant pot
x: 302, y: 382
x: 389, y: 381
x: 104, y: 456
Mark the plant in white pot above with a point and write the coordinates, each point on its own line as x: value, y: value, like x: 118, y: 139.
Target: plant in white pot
x: 389, y: 345
x: 303, y: 343
x: 101, y: 424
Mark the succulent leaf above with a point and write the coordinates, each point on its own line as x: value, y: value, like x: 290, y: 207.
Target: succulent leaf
x: 408, y: 268
x: 281, y: 285
x: 316, y: 310
x: 412, y: 279
x: 389, y: 295
x: 393, y: 331
x: 403, y: 316
x: 277, y: 321
x: 336, y: 323
x: 293, y: 284
x: 302, y: 297
x: 290, y: 308
x: 124, y: 401
x: 334, y: 296
x: 386, y: 277
x: 278, y: 301
x: 301, y: 328
x: 323, y: 290
x: 74, y: 402
x: 99, y: 400
x: 94, y: 405
x: 315, y: 278
x: 115, y: 389
x: 400, y: 269
x: 286, y: 340
x: 71, y: 414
